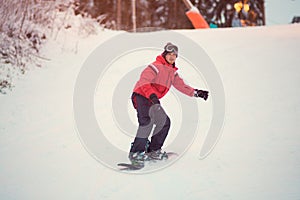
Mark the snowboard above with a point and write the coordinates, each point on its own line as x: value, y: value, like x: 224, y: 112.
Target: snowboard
x: 139, y: 166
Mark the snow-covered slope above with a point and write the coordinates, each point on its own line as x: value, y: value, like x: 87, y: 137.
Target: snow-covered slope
x: 257, y: 156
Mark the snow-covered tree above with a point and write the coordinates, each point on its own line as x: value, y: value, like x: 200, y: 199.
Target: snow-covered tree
x: 25, y: 26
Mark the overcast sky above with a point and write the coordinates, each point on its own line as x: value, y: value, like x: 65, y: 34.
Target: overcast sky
x: 281, y: 11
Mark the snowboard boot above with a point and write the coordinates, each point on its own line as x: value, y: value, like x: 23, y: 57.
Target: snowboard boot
x: 158, y: 155
x: 138, y: 158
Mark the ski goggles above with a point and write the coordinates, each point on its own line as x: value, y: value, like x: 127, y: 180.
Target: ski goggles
x: 171, y: 48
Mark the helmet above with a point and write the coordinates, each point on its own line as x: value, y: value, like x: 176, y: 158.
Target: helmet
x: 170, y: 48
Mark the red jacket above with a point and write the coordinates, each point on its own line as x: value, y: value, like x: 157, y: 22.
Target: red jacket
x: 158, y: 77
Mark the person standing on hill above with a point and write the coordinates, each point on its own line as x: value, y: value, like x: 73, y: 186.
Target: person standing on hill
x: 154, y: 83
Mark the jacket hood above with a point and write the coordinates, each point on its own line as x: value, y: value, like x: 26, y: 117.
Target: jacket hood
x: 161, y: 60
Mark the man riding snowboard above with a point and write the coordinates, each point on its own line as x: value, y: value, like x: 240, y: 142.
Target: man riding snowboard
x: 154, y: 83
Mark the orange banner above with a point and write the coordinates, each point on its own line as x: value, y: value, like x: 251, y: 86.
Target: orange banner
x: 197, y: 19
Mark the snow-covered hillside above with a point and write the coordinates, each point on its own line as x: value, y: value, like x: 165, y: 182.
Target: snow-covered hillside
x: 256, y: 157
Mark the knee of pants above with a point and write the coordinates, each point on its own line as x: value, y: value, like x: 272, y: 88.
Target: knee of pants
x: 144, y: 121
x: 163, y: 122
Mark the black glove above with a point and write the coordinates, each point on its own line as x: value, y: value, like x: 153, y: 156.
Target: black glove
x: 154, y: 99
x: 201, y: 93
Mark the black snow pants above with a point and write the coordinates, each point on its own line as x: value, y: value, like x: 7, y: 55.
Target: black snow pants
x: 151, y: 118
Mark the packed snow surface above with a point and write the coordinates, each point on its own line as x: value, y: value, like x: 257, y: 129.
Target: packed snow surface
x: 256, y: 157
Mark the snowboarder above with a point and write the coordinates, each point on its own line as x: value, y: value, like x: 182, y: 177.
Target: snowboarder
x: 155, y: 81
